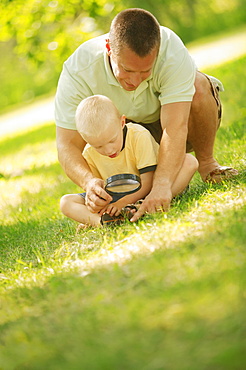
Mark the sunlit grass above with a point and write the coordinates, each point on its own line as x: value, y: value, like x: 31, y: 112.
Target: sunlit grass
x: 96, y: 248
x: 167, y: 292
x: 29, y: 158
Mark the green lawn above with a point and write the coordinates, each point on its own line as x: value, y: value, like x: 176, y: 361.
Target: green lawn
x: 165, y: 293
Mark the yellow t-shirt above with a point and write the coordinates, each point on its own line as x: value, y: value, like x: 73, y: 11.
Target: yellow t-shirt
x: 139, y: 155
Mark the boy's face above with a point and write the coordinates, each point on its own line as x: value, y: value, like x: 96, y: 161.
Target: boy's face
x: 110, y: 142
x: 130, y: 69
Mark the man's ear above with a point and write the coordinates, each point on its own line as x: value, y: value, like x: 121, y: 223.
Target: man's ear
x: 108, y: 47
x: 123, y: 120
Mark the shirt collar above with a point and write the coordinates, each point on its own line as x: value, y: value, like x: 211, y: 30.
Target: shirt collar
x: 109, y: 73
x: 124, y: 137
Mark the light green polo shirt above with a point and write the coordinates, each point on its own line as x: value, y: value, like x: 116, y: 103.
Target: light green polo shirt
x: 87, y: 72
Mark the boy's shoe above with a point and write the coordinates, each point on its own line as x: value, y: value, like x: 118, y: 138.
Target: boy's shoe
x: 127, y: 210
x: 107, y: 220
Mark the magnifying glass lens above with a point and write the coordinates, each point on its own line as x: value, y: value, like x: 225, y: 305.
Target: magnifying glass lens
x: 123, y: 184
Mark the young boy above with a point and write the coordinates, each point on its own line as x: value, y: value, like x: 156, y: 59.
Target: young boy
x: 115, y: 147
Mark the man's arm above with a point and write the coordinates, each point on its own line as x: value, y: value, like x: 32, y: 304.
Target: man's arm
x: 70, y: 146
x: 174, y: 121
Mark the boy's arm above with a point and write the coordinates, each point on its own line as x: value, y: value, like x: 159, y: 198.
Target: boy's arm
x: 70, y: 146
x: 146, y: 181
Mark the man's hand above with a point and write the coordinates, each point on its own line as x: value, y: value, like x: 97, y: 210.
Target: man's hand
x: 97, y: 198
x: 158, y: 200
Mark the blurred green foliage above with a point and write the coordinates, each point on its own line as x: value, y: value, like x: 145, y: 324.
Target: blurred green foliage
x: 36, y: 36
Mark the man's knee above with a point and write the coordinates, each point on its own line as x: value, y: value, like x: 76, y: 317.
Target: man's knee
x: 191, y: 163
x: 206, y: 101
x: 203, y: 90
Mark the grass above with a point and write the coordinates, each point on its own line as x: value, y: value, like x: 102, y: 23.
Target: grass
x: 165, y: 293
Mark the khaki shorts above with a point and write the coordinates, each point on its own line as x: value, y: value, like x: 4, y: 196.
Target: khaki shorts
x: 155, y: 127
x: 215, y: 89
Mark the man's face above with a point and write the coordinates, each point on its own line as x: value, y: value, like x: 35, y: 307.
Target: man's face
x: 130, y: 69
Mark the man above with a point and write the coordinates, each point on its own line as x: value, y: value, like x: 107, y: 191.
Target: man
x: 147, y: 72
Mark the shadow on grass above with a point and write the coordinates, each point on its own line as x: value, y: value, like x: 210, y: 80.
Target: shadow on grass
x: 16, y: 143
x: 52, y: 170
x: 24, y: 240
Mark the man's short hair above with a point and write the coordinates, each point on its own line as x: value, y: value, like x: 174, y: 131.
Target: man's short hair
x: 137, y: 29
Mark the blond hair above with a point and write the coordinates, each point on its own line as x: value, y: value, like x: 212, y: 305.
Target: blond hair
x: 94, y: 115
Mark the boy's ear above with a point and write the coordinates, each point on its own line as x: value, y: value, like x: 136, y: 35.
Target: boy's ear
x: 123, y: 120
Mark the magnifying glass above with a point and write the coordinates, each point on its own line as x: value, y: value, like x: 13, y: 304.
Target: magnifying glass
x: 122, y: 184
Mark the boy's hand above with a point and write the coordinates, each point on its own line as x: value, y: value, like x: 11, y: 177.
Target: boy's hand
x: 114, y: 209
x: 96, y: 197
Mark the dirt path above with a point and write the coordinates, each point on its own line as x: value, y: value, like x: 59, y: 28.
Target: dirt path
x: 219, y: 51
x: 207, y: 55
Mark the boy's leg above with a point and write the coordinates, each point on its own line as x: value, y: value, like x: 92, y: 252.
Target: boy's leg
x: 203, y: 124
x: 189, y: 167
x: 73, y: 206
